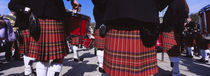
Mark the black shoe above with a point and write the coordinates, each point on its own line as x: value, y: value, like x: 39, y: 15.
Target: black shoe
x: 203, y: 60
x: 101, y: 70
x: 79, y: 59
x: 190, y: 56
x: 18, y: 59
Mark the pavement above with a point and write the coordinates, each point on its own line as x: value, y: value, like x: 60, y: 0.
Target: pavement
x: 89, y: 66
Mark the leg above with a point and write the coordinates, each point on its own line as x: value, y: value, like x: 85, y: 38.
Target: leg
x: 55, y: 68
x: 41, y: 68
x: 8, y: 50
x: 175, y: 61
x: 75, y: 48
x: 28, y: 65
x: 100, y: 55
x: 16, y: 56
x: 190, y: 51
x: 76, y: 57
x: 206, y: 56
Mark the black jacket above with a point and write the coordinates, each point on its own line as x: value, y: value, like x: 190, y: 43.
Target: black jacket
x: 138, y: 11
x: 143, y: 13
x: 44, y: 9
x: 22, y: 18
x: 98, y: 12
x: 48, y: 8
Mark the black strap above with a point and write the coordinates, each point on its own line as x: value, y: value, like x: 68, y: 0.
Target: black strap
x: 56, y: 73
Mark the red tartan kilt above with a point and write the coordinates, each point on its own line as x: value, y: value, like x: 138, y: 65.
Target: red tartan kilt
x: 189, y: 41
x: 170, y: 44
x: 23, y: 48
x: 99, y: 41
x: 52, y: 42
x: 208, y: 45
x: 125, y: 54
x: 75, y: 41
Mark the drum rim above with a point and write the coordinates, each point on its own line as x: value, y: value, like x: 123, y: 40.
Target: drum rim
x: 85, y: 17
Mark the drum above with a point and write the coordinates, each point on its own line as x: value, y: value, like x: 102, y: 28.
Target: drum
x: 77, y: 24
x: 87, y: 43
x: 159, y: 45
x: 204, y: 20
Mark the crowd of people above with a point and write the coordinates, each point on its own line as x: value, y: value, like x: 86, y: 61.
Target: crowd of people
x: 125, y: 40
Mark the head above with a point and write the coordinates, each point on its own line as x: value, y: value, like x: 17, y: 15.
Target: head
x: 13, y: 12
x: 189, y: 19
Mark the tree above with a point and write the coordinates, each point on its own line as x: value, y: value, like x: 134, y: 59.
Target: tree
x: 194, y: 17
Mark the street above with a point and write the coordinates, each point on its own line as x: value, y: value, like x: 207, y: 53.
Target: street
x: 89, y: 67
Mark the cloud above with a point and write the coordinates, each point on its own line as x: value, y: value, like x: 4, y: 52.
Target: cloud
x: 4, y: 7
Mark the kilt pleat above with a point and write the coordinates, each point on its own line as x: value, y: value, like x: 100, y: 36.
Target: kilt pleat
x: 125, y: 54
x: 170, y: 44
x: 189, y: 41
x: 99, y: 41
x: 24, y: 48
x: 168, y: 41
x: 75, y: 40
x: 51, y: 44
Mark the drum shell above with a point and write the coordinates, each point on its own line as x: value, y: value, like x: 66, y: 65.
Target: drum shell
x: 77, y: 24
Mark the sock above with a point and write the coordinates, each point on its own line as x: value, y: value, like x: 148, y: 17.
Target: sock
x: 206, y: 56
x: 100, y: 55
x: 202, y: 53
x: 190, y: 52
x: 54, y: 69
x: 28, y: 67
x: 75, y: 48
x: 41, y: 68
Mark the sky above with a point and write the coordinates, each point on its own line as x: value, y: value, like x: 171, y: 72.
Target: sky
x: 87, y: 6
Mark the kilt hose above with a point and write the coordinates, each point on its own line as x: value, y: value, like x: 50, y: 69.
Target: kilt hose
x: 170, y: 44
x: 125, y: 54
x: 24, y: 47
x: 52, y: 43
x: 99, y: 41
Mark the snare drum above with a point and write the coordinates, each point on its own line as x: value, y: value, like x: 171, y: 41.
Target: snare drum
x: 77, y: 24
x: 204, y: 20
x: 87, y: 43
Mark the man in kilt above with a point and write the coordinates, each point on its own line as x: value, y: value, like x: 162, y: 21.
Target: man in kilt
x: 12, y: 18
x: 99, y: 41
x: 132, y: 28
x: 173, y: 27
x: 189, y: 37
x: 51, y: 47
x: 23, y: 35
x: 74, y: 46
x: 203, y: 45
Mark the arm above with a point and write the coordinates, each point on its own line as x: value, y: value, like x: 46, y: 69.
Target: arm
x: 2, y: 22
x: 18, y: 6
x: 75, y: 5
x: 162, y: 4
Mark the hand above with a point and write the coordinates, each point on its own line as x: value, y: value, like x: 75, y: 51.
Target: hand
x: 2, y: 22
x: 75, y: 5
